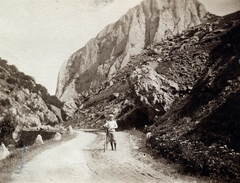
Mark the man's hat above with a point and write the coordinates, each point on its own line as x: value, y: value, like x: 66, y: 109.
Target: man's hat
x: 111, y: 115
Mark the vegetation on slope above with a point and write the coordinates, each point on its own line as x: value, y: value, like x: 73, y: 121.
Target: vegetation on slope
x: 11, y: 78
x: 23, y: 103
x: 202, y: 131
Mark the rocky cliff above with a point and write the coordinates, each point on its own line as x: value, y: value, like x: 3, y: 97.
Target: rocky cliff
x: 148, y: 23
x: 24, y: 105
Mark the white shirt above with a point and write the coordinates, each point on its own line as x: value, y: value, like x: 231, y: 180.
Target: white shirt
x: 111, y: 125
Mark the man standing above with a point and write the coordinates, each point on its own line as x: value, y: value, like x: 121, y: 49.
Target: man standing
x: 111, y: 125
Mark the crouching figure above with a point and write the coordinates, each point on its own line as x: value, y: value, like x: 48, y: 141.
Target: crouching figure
x: 148, y: 136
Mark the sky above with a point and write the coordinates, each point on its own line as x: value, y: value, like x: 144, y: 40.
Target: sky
x: 38, y: 36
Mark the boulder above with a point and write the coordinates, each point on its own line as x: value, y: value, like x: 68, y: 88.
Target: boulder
x: 70, y: 107
x: 41, y: 116
x: 51, y: 128
x: 57, y: 136
x: 36, y: 128
x: 15, y: 134
x: 32, y: 120
x: 151, y: 88
x: 57, y: 111
x: 51, y: 117
x: 13, y: 111
x: 28, y: 119
x: 61, y: 128
x: 70, y: 130
x: 3, y: 152
x: 38, y: 140
x: 44, y: 127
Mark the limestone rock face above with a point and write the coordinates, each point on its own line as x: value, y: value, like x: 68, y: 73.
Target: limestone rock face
x: 25, y: 107
x: 147, y: 23
x: 27, y: 110
x: 57, y: 112
x: 70, y: 107
x: 152, y: 89
x: 32, y: 101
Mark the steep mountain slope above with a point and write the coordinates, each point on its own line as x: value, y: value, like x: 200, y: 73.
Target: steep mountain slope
x: 24, y: 105
x: 148, y: 23
x: 201, y: 132
x: 187, y: 88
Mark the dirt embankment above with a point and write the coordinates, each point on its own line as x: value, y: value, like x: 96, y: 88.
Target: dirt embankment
x: 82, y: 159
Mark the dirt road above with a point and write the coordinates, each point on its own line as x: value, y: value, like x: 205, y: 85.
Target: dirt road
x: 82, y: 159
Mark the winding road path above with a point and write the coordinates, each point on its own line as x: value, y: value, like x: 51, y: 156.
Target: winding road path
x: 82, y: 159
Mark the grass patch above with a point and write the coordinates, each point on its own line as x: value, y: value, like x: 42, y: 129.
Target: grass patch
x: 160, y: 164
x: 13, y: 162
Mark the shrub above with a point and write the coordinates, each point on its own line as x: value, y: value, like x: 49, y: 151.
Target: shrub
x: 13, y: 68
x: 27, y: 78
x: 3, y: 63
x: 1, y: 69
x: 49, y: 99
x: 5, y: 102
x: 53, y: 100
x: 195, y: 157
x: 2, y: 75
x: 7, y: 129
x: 11, y: 80
x: 26, y: 84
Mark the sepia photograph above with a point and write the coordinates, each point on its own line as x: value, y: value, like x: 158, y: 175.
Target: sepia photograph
x: 120, y: 91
